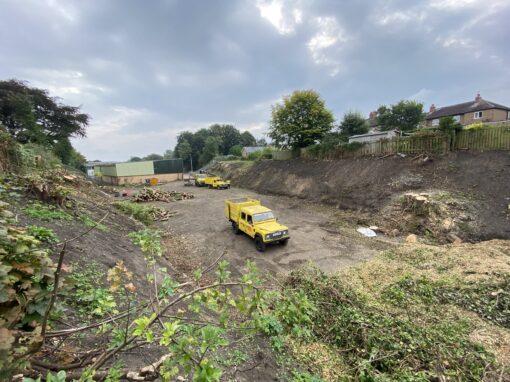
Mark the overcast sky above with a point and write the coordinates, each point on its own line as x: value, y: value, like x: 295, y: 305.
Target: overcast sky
x: 146, y: 70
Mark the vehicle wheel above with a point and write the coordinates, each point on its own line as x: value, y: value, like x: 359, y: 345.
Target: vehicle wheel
x: 284, y: 242
x: 259, y: 244
x: 235, y: 228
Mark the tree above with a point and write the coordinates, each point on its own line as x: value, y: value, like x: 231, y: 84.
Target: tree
x: 135, y: 159
x: 78, y: 161
x: 449, y: 125
x: 63, y: 150
x: 261, y: 142
x: 247, y: 139
x: 236, y: 150
x: 301, y: 120
x: 183, y: 150
x: 31, y: 115
x: 168, y: 154
x: 353, y: 123
x: 403, y: 116
x: 211, y: 150
x: 153, y: 156
x: 228, y: 136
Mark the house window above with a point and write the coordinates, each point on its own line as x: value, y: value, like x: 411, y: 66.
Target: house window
x: 456, y: 118
x: 478, y: 114
x: 435, y: 122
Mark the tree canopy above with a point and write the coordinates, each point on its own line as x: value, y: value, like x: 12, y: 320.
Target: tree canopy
x: 198, y: 148
x: 301, y: 120
x: 353, y: 123
x: 153, y: 156
x: 32, y: 115
x: 403, y: 116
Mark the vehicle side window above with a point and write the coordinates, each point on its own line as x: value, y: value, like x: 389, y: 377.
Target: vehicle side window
x: 243, y: 216
x: 250, y: 221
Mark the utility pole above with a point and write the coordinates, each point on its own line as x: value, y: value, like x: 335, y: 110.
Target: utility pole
x: 191, y: 162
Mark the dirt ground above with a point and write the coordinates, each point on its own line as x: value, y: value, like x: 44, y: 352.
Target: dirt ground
x: 371, y: 183
x: 201, y: 230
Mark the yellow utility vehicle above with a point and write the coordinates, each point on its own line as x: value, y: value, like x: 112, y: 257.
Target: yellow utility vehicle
x: 216, y: 182
x: 249, y: 216
x: 199, y: 179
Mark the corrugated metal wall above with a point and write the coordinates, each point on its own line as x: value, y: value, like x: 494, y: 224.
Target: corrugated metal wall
x: 135, y: 168
x: 168, y: 166
x: 108, y: 170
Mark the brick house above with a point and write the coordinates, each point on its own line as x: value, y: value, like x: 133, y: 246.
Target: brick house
x: 479, y: 110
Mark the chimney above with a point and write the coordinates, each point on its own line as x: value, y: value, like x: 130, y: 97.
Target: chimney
x: 478, y: 98
x: 432, y: 108
x: 372, y: 115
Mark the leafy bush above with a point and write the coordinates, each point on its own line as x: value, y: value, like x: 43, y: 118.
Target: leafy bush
x: 89, y: 295
x: 266, y: 153
x: 46, y: 213
x: 149, y: 242
x: 26, y: 278
x: 42, y: 233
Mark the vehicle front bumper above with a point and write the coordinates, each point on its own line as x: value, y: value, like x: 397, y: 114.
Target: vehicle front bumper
x: 272, y: 240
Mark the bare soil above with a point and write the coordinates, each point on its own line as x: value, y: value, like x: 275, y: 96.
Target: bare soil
x: 370, y: 184
x: 201, y: 232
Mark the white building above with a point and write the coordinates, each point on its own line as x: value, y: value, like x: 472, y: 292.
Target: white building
x: 373, y: 137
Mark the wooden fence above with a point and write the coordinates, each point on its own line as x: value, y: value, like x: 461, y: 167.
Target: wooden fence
x: 490, y: 138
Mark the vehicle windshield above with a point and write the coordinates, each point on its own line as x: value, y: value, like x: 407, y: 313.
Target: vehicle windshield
x: 263, y: 216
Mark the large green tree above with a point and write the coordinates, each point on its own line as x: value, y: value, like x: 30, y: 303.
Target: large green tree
x: 32, y: 115
x: 247, y: 139
x: 301, y: 120
x: 353, y: 123
x: 211, y: 150
x: 403, y: 116
x: 153, y: 156
x: 227, y: 135
x: 183, y: 151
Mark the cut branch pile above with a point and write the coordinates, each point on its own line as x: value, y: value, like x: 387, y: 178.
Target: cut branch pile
x: 159, y: 214
x: 151, y: 195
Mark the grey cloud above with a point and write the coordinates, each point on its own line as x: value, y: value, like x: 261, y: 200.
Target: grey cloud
x: 147, y: 70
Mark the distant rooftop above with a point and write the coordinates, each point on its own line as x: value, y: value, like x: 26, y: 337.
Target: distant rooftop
x: 478, y: 104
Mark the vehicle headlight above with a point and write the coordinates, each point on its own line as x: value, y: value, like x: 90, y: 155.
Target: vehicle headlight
x: 286, y: 232
x: 268, y: 236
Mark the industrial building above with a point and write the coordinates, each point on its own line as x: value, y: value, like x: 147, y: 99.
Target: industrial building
x: 165, y: 170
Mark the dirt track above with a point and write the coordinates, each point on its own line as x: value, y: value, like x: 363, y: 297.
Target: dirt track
x: 203, y: 229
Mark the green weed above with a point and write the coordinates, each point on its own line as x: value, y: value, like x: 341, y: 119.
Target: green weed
x: 88, y: 222
x: 89, y: 295
x: 140, y: 212
x: 46, y: 212
x: 149, y: 242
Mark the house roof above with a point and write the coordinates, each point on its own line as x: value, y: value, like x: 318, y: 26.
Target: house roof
x: 252, y: 149
x: 466, y: 107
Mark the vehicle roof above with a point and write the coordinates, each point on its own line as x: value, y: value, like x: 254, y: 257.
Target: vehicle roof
x: 256, y: 209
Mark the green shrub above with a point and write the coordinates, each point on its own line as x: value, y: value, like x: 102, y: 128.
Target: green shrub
x: 42, y: 233
x: 142, y: 213
x: 89, y: 295
x: 149, y: 242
